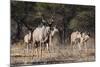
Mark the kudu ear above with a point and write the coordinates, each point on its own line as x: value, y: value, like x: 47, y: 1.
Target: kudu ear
x: 43, y: 20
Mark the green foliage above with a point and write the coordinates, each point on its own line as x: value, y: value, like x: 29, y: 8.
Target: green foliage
x: 83, y: 21
x: 66, y: 17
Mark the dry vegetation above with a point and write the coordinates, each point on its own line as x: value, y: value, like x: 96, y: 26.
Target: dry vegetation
x: 27, y: 16
x: 56, y: 54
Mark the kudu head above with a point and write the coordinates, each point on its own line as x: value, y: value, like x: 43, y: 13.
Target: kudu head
x: 48, y: 21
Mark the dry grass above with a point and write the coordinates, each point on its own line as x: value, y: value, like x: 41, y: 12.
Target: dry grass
x: 57, y: 54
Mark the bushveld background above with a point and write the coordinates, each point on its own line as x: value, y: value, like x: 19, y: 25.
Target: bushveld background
x: 68, y: 18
